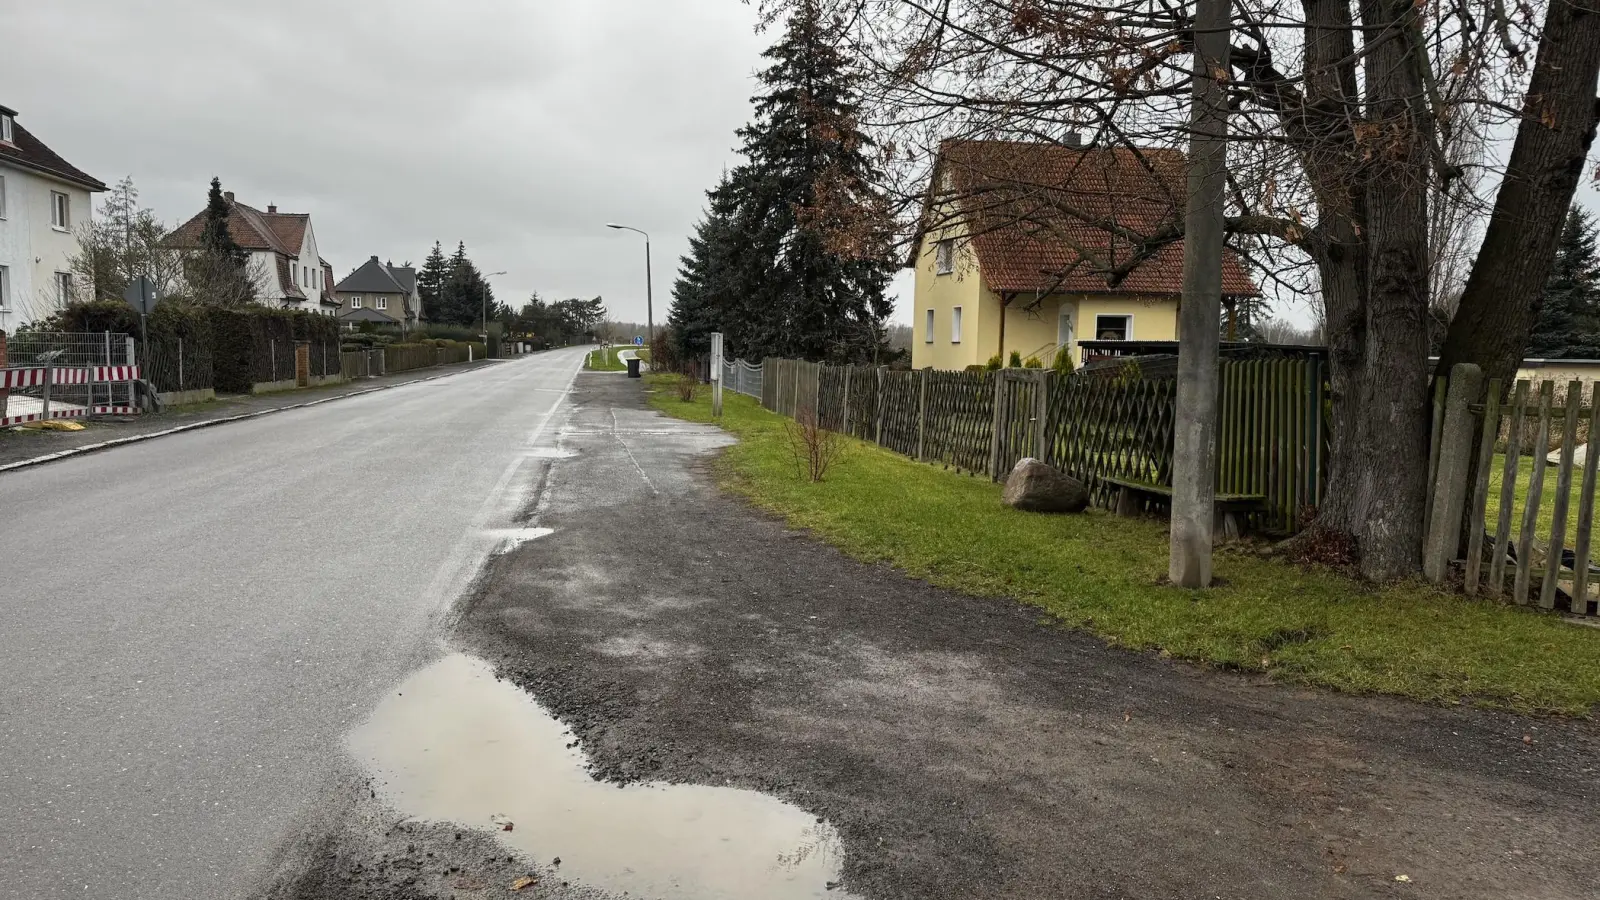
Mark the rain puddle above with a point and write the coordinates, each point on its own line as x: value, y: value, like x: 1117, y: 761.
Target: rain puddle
x: 455, y: 744
x: 512, y: 538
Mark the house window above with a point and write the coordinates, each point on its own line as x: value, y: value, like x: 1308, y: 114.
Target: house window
x: 5, y: 286
x: 1113, y: 328
x: 60, y: 211
x: 355, y: 302
x: 383, y: 303
x: 5, y: 128
x: 2, y: 196
x: 955, y: 325
x: 927, y: 327
x: 944, y: 257
x: 63, y: 288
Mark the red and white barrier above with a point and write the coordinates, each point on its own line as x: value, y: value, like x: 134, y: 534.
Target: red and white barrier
x: 116, y: 373
x: 19, y: 409
x: 21, y: 378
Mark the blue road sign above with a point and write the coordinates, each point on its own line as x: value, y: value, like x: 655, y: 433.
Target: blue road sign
x: 638, y: 341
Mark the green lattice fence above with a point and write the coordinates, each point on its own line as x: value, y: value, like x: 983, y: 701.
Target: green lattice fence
x: 1272, y: 423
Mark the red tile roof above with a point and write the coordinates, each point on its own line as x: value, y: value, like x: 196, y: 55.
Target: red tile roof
x: 289, y: 228
x: 1047, y: 217
x: 279, y: 233
x: 247, y: 225
x: 28, y: 151
x: 286, y: 279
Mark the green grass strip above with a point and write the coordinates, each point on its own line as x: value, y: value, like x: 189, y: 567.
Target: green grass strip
x: 1105, y: 575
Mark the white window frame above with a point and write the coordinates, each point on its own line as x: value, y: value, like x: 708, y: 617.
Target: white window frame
x: 383, y: 303
x: 2, y: 196
x: 63, y: 282
x: 5, y: 287
x: 1127, y: 326
x: 60, y: 211
x: 355, y: 302
x: 927, y: 328
x: 955, y: 325
x: 5, y: 128
x: 944, y: 257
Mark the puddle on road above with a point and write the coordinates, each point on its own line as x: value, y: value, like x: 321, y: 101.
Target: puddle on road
x: 455, y: 744
x: 549, y: 453
x: 512, y: 538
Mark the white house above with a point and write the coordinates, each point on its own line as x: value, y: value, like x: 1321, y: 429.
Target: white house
x: 288, y: 269
x: 42, y: 200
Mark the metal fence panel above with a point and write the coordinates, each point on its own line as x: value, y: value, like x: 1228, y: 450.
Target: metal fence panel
x: 73, y: 391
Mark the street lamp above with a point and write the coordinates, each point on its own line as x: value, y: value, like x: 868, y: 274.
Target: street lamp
x: 486, y: 304
x: 649, y: 308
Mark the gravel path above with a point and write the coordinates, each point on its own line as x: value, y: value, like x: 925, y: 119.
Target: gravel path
x: 963, y: 747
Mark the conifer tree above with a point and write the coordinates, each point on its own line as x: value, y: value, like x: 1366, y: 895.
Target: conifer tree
x: 785, y: 263
x: 430, y: 284
x: 1568, y: 323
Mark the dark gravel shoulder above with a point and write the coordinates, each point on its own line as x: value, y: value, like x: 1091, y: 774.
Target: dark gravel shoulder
x: 19, y: 444
x: 965, y: 747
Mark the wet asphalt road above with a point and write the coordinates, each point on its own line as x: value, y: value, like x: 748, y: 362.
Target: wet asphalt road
x: 192, y: 623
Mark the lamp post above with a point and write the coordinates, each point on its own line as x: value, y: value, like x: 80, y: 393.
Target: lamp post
x: 649, y: 307
x: 485, y: 299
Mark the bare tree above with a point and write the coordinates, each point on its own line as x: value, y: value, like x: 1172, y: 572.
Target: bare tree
x: 1351, y: 123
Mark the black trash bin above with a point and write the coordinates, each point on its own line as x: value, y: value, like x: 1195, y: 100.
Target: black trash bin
x: 633, y: 367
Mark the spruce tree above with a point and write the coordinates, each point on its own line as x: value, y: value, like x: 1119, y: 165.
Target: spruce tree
x: 430, y: 284
x: 217, y: 275
x: 1568, y: 323
x: 788, y: 265
x: 702, y: 293
x: 214, y: 236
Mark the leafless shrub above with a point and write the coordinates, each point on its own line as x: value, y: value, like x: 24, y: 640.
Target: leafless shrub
x: 815, y: 448
x: 686, y: 385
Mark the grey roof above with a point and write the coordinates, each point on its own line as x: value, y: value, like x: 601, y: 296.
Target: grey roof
x: 373, y: 277
x: 405, y: 275
x: 368, y: 314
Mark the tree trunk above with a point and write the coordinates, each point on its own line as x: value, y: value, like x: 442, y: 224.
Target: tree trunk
x: 1500, y: 302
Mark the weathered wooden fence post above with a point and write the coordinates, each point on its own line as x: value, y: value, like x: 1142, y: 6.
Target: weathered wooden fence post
x: 1449, y: 487
x: 816, y: 393
x: 922, y: 414
x: 1531, y: 506
x: 1580, y: 561
x: 997, y: 420
x: 844, y: 419
x: 1558, y: 521
x: 1480, y: 490
x: 1044, y: 385
x: 877, y: 426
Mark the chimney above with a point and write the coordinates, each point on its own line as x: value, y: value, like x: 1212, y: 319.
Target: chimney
x: 1073, y: 139
x: 272, y: 207
x: 228, y: 196
x: 374, y: 259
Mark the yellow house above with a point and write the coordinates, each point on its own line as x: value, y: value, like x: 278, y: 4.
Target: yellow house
x: 1032, y: 247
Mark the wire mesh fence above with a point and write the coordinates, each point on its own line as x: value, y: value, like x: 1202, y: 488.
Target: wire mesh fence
x: 178, y: 364
x: 78, y: 379
x: 742, y: 378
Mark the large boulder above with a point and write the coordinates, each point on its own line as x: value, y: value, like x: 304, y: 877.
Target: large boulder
x: 1034, y: 486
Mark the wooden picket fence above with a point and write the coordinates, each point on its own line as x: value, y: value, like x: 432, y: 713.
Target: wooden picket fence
x: 1272, y: 439
x: 1529, y: 529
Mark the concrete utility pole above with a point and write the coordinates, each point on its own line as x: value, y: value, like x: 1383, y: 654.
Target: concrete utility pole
x: 1194, y: 451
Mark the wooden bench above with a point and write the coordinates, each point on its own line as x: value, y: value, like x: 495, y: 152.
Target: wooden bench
x: 1136, y: 497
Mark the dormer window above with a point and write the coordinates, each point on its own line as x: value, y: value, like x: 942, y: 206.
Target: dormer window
x: 5, y: 127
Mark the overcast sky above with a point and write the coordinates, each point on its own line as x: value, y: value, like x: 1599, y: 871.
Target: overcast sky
x: 518, y: 126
